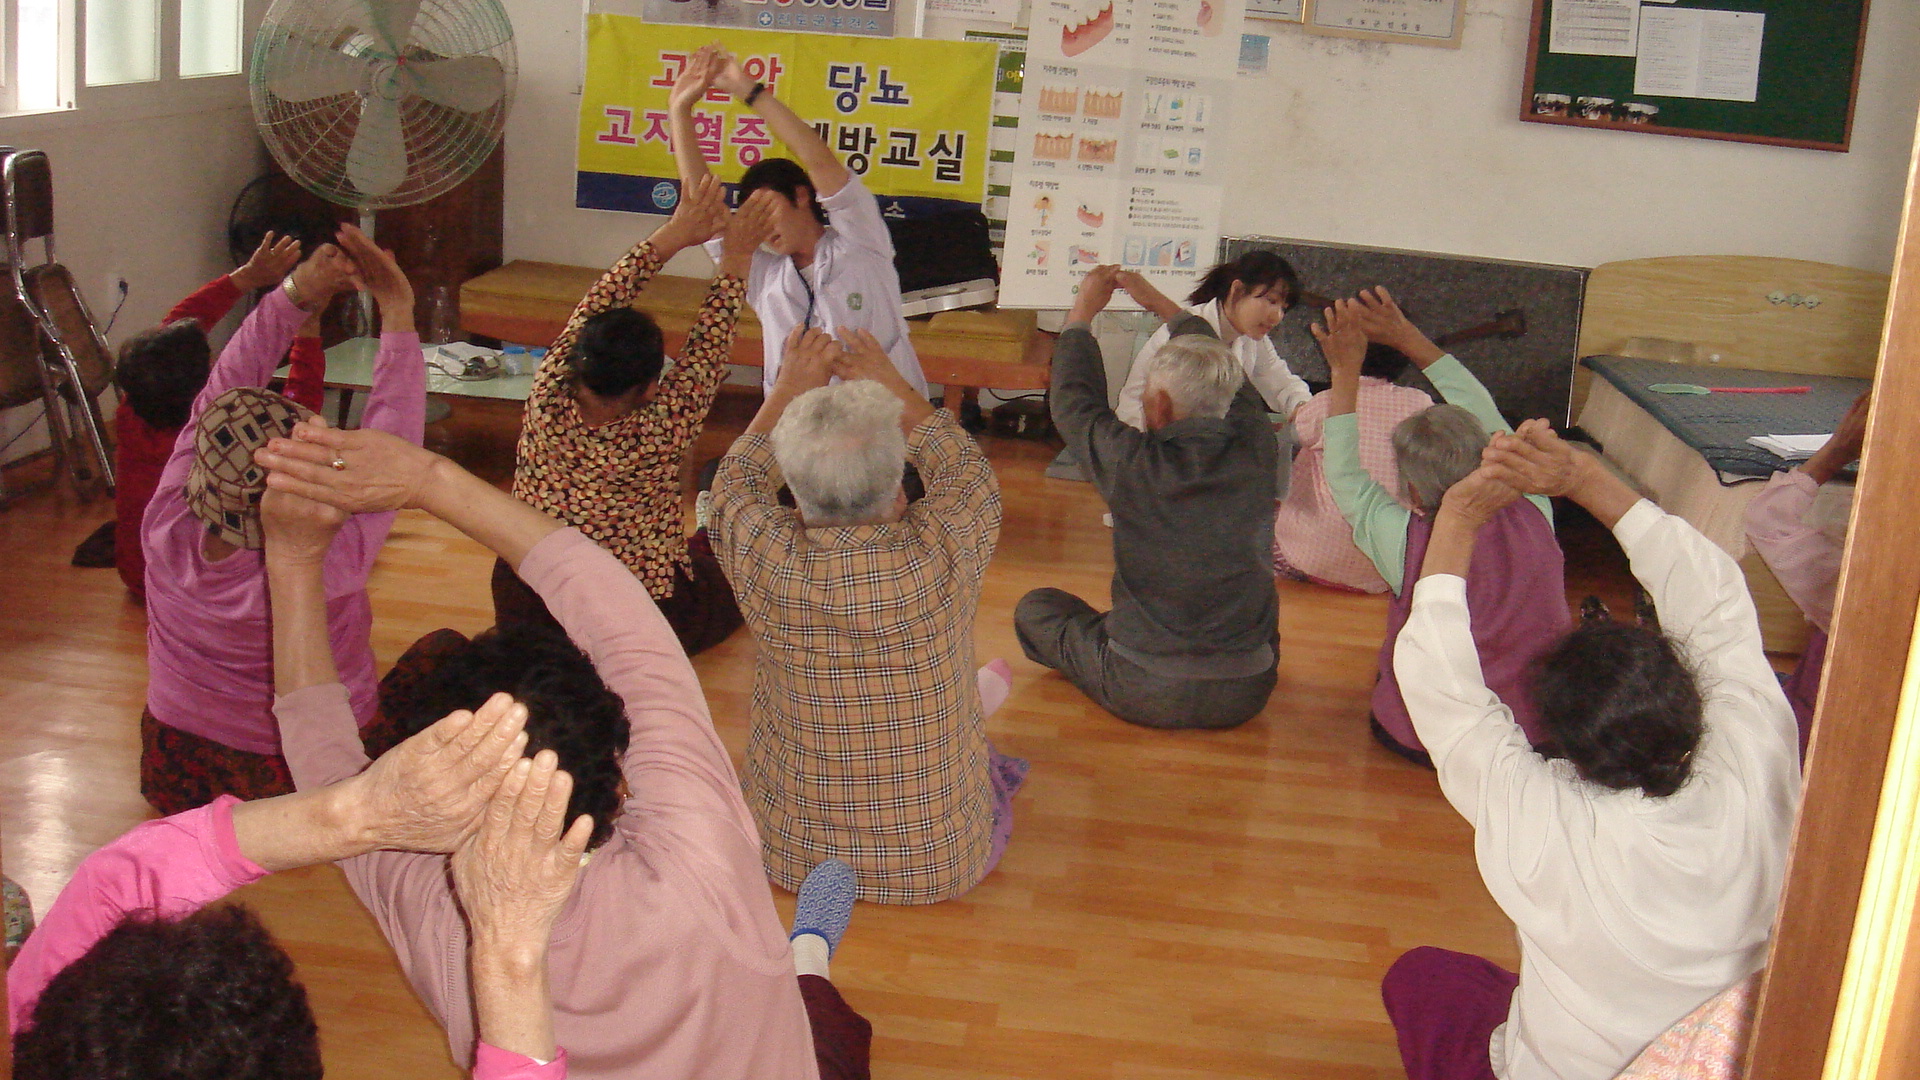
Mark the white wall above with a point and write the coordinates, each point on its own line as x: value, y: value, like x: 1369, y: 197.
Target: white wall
x: 144, y: 196
x: 1399, y: 146
x: 1416, y: 147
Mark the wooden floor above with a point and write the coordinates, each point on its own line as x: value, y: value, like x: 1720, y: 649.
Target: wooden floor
x: 1173, y: 906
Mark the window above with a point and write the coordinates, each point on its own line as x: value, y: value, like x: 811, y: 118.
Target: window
x: 113, y: 48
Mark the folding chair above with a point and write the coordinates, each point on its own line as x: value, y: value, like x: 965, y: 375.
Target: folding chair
x: 77, y: 365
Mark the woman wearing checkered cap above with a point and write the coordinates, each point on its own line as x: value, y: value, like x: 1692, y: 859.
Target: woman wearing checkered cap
x: 208, y: 729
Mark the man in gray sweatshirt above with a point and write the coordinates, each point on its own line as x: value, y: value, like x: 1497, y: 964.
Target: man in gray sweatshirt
x: 1193, y: 638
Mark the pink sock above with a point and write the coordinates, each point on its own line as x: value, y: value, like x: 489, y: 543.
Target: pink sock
x: 996, y: 682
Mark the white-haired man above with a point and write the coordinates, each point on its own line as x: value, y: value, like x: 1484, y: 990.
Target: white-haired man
x: 1193, y: 637
x: 869, y: 740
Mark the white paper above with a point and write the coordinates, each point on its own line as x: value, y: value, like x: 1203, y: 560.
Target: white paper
x: 1414, y: 18
x: 1002, y: 11
x: 1690, y: 52
x: 1791, y: 447
x: 1120, y: 151
x: 1595, y: 27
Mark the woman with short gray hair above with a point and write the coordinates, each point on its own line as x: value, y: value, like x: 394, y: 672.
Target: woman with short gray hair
x: 1516, y: 588
x: 843, y: 453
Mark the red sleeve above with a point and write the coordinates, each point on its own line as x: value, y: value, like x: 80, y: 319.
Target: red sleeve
x: 307, y: 375
x: 207, y: 306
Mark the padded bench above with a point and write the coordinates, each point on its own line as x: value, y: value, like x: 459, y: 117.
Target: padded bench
x: 528, y: 303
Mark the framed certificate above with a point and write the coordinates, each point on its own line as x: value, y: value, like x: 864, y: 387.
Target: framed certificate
x: 1421, y: 22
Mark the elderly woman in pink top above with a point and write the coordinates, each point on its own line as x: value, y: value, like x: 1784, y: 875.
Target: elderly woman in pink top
x: 668, y: 958
x: 1805, y: 557
x: 208, y: 728
x: 134, y: 963
x: 1311, y: 538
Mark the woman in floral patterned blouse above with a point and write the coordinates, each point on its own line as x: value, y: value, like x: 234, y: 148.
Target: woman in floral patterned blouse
x: 606, y: 426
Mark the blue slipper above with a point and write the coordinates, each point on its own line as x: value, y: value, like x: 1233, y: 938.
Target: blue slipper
x: 826, y: 903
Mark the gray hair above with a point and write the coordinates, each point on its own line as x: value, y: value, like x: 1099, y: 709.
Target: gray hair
x: 1435, y: 449
x: 1198, y: 373
x: 842, y: 451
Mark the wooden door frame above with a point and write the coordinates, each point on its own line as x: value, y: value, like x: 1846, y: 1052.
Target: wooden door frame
x: 1873, y: 630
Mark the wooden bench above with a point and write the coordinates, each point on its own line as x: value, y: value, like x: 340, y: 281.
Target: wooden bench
x: 528, y: 303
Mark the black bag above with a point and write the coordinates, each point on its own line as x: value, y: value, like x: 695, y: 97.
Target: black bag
x: 930, y: 252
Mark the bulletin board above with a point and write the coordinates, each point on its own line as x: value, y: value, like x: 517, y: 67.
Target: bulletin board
x: 1808, y: 71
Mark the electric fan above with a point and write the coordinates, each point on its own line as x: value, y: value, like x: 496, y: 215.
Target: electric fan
x: 382, y: 103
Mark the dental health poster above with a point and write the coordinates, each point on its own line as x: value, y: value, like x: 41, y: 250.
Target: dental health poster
x: 1120, y: 158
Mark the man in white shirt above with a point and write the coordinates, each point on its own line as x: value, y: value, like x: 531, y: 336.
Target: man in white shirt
x: 829, y: 263
x: 1641, y: 866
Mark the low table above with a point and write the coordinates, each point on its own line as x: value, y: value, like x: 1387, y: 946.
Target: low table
x: 528, y: 303
x: 350, y: 369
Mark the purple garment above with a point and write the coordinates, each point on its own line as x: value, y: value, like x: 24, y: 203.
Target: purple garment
x: 209, y: 641
x: 1445, y: 1007
x: 1803, y: 686
x: 1517, y: 597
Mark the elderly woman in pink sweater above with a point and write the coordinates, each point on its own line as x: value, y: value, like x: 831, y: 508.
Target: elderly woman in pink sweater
x: 668, y: 958
x: 208, y: 728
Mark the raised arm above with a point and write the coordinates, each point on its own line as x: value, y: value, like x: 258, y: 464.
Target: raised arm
x: 258, y: 346
x: 1379, y: 523
x: 695, y: 79
x: 825, y: 169
x: 689, y: 384
x: 1802, y: 555
x: 271, y: 261
x: 699, y: 216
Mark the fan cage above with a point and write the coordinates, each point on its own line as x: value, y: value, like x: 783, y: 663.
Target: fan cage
x: 311, y: 139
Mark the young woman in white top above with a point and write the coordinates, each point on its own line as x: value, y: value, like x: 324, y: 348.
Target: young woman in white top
x: 1641, y: 857
x: 829, y: 263
x: 1243, y: 299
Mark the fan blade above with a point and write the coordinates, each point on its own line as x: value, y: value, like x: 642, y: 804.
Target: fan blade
x: 377, y: 160
x: 393, y: 20
x: 468, y: 83
x: 313, y: 71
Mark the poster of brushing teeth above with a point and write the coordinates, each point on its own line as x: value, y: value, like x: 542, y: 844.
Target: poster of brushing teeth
x: 1123, y: 117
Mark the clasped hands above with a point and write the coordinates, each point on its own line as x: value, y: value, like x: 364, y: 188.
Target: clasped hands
x: 1530, y: 460
x: 813, y: 358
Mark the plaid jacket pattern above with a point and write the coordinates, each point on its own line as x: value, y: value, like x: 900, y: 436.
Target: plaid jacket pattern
x: 619, y: 483
x: 867, y: 740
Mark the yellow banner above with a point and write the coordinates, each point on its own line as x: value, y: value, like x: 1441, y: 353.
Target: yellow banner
x: 909, y: 116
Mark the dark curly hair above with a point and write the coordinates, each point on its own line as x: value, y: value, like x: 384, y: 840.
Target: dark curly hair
x: 569, y: 709
x: 617, y: 350
x: 207, y: 997
x: 785, y: 176
x: 1255, y: 271
x: 1622, y: 705
x: 162, y: 370
x: 1384, y: 362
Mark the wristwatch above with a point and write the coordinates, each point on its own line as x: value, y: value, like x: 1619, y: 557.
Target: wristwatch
x: 754, y: 94
x: 292, y: 291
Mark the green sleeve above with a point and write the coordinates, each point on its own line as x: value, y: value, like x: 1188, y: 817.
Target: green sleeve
x: 1457, y: 386
x: 1379, y: 523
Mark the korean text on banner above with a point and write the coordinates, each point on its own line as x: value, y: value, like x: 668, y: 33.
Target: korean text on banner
x: 910, y: 117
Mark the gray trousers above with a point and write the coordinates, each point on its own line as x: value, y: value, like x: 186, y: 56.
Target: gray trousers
x: 1062, y: 631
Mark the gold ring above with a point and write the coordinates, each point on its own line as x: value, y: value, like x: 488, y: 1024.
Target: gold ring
x: 339, y: 463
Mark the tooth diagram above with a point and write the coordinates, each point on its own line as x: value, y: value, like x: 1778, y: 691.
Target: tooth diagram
x: 1090, y: 217
x: 1076, y: 38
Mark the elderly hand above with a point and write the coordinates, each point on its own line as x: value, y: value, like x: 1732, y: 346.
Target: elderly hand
x: 808, y: 361
x: 516, y: 870
x: 699, y: 217
x: 361, y: 472
x: 1382, y: 320
x: 1094, y: 293
x: 274, y: 259
x: 429, y: 793
x: 327, y: 273
x: 748, y: 228
x: 297, y: 529
x: 1475, y: 498
x: 380, y: 274
x: 1343, y: 339
x: 1146, y: 295
x: 1533, y: 460
x: 861, y: 357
